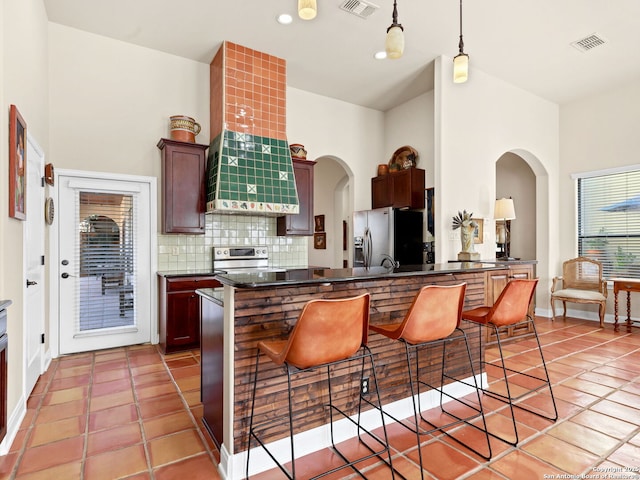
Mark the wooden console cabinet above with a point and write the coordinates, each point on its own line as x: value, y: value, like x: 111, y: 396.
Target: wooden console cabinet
x: 403, y: 189
x: 302, y: 223
x: 183, y: 186
x: 179, y: 310
x: 495, y: 282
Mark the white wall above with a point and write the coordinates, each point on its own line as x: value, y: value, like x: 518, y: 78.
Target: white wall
x: 23, y: 75
x: 597, y: 133
x: 476, y: 123
x: 329, y: 127
x: 412, y: 124
x: 111, y: 102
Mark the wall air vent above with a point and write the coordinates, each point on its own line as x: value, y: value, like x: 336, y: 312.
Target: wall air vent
x: 359, y: 8
x: 588, y: 43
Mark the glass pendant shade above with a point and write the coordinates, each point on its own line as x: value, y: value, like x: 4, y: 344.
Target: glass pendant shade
x: 307, y: 9
x: 394, y: 43
x: 461, y: 68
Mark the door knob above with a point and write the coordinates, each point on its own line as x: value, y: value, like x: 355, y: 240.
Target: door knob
x: 29, y: 283
x: 65, y: 262
x: 65, y: 275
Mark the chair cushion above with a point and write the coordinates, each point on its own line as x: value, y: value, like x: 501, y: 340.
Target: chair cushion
x: 578, y: 294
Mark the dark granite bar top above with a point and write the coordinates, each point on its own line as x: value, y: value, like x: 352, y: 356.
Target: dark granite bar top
x: 216, y: 295
x: 301, y: 276
x: 190, y: 272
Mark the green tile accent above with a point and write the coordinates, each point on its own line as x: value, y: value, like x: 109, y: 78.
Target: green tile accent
x: 258, y: 161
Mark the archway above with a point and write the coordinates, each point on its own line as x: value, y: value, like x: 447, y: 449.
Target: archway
x: 535, y: 229
x: 333, y: 198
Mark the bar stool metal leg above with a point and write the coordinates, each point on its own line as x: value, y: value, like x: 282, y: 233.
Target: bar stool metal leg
x: 299, y: 355
x: 433, y: 320
x: 510, y: 310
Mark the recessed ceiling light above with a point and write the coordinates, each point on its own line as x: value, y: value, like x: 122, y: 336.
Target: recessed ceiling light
x: 284, y: 19
x: 380, y: 55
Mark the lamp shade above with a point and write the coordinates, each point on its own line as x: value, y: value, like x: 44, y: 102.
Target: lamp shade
x: 307, y: 9
x: 504, y: 209
x: 460, y: 68
x: 394, y: 43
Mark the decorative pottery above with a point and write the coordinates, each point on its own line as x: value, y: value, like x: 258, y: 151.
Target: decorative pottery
x: 183, y: 128
x: 383, y: 169
x: 404, y: 157
x: 394, y: 167
x: 298, y: 151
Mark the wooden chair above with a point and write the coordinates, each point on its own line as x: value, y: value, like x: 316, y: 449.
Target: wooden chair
x: 581, y: 282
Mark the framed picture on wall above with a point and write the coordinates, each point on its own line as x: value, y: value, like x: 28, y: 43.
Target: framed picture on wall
x: 320, y: 241
x: 17, y: 164
x: 319, y: 223
x: 478, y: 233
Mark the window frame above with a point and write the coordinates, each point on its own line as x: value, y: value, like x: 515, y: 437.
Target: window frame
x: 618, y: 248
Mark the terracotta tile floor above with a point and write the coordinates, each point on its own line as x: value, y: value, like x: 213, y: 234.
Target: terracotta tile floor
x: 121, y: 413
x: 133, y: 413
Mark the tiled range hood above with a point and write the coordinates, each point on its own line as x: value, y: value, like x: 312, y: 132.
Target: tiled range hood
x: 249, y: 167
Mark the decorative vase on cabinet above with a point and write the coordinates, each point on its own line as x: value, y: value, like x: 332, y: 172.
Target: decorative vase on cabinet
x: 183, y: 186
x: 302, y: 223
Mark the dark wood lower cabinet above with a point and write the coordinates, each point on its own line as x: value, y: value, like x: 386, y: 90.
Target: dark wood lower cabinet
x: 4, y: 345
x: 211, y: 358
x: 4, y: 342
x: 179, y: 311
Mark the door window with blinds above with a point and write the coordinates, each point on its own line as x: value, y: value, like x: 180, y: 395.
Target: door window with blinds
x: 107, y: 257
x: 609, y: 221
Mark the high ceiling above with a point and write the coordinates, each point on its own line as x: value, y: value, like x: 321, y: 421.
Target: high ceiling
x: 524, y: 42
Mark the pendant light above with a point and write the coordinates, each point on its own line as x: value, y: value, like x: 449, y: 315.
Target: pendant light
x: 460, y: 61
x: 394, y: 43
x: 307, y: 9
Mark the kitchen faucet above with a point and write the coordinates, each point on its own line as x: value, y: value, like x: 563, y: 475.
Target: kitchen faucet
x: 389, y: 258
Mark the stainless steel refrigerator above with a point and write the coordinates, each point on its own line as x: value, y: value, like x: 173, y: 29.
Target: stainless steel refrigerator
x: 387, y: 232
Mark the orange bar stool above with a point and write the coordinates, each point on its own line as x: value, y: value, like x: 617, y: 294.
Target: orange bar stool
x: 510, y: 310
x: 326, y: 334
x: 434, y: 320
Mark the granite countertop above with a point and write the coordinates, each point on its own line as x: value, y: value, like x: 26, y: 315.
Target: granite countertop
x: 190, y: 272
x: 302, y: 276
x: 216, y: 295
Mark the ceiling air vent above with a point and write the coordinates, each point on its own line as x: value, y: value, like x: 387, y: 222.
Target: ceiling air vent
x: 359, y: 8
x: 588, y: 43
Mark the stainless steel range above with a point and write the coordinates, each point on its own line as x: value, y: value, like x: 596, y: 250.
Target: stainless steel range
x: 234, y: 259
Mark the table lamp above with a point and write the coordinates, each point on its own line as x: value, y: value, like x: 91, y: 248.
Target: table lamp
x: 503, y: 212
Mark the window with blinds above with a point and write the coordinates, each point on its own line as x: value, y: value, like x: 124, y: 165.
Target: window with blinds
x: 106, y: 253
x: 609, y: 222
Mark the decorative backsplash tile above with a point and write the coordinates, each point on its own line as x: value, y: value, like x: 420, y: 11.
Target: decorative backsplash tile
x: 185, y: 252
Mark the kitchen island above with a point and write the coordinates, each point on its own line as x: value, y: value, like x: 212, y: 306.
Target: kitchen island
x: 265, y: 305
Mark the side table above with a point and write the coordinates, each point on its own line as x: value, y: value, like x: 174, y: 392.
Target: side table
x: 624, y: 285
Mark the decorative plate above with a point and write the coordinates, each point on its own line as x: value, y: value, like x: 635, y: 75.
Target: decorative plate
x: 404, y: 157
x: 49, y: 210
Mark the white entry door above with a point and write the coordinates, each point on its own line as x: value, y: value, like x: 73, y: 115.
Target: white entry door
x: 104, y: 262
x: 34, y: 267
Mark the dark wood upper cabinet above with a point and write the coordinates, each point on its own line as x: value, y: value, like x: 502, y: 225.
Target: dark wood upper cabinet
x: 302, y: 223
x: 403, y: 189
x: 183, y: 186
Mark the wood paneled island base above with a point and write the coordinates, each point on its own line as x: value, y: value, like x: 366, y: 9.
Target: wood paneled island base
x: 265, y: 306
